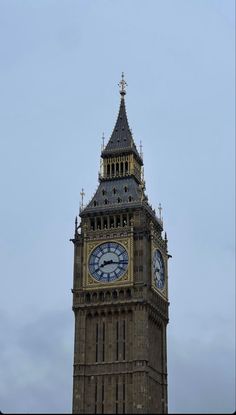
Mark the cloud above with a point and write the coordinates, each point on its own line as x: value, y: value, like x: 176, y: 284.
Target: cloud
x: 202, y: 369
x: 36, y: 363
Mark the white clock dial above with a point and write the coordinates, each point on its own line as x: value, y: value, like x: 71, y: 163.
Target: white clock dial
x: 108, y: 262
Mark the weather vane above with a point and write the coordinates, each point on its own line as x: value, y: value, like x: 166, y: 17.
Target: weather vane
x: 122, y: 84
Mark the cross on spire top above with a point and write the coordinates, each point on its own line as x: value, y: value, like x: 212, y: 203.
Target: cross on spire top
x: 122, y: 84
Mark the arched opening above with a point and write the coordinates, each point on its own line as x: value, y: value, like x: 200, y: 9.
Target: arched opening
x: 124, y: 220
x: 94, y: 297
x: 128, y: 293
x: 101, y: 296
x: 87, y: 298
x: 92, y: 224
x: 117, y: 168
x: 112, y: 222
x: 105, y: 223
x: 98, y: 223
x: 114, y: 295
x: 112, y: 169
x: 108, y: 295
x: 121, y: 294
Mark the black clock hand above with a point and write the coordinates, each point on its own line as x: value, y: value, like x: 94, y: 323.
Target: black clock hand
x: 106, y: 263
x: 112, y: 262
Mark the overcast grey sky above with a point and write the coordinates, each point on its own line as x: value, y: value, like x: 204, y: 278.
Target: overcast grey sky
x: 61, y: 61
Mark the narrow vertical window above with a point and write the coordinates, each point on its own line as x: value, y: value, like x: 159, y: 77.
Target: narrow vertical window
x: 96, y: 342
x: 117, y: 395
x: 103, y: 341
x: 123, y: 387
x: 117, y: 340
x: 103, y: 395
x: 123, y: 339
x: 96, y: 397
x: 117, y: 168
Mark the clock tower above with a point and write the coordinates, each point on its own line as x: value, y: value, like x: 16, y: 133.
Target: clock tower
x: 120, y: 288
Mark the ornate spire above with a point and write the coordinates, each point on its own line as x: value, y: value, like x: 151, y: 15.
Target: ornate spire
x: 121, y: 139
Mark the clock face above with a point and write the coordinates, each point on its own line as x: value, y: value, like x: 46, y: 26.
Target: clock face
x: 158, y: 270
x: 108, y: 262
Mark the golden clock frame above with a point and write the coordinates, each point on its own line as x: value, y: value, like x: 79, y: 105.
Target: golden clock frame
x: 126, y: 279
x: 164, y: 292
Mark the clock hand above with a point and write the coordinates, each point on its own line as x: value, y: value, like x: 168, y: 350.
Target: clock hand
x: 112, y: 262
x: 106, y: 263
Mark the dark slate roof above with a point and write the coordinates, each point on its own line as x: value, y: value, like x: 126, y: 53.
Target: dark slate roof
x: 105, y: 192
x: 121, y: 140
x: 120, y: 194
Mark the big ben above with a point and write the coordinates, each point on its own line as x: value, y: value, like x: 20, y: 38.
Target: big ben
x: 120, y: 288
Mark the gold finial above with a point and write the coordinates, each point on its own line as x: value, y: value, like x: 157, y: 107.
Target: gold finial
x: 122, y: 84
x: 82, y: 194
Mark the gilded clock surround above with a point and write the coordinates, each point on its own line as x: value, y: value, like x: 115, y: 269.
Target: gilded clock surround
x: 126, y: 279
